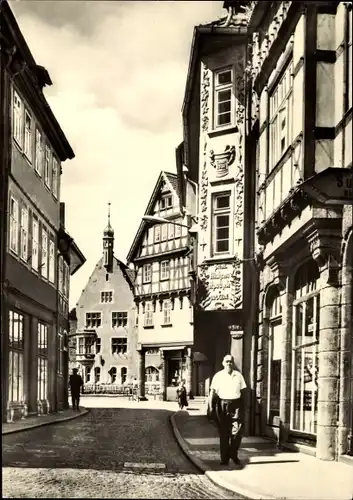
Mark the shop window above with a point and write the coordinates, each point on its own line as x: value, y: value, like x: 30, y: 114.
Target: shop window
x: 274, y: 358
x: 119, y: 319
x: 16, y: 356
x: 123, y: 374
x: 119, y: 345
x: 93, y: 320
x: 223, y: 98
x: 42, y: 387
x: 305, y: 357
x: 97, y: 374
x: 221, y: 223
x: 151, y: 374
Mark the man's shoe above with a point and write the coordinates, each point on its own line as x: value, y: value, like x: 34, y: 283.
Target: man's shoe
x: 224, y: 462
x: 237, y: 462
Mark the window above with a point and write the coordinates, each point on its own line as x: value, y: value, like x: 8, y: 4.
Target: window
x: 164, y: 232
x: 123, y: 374
x: 349, y: 58
x: 28, y: 136
x: 89, y: 342
x: 119, y: 345
x: 305, y: 343
x: 148, y: 316
x: 66, y: 279
x: 16, y: 356
x: 164, y: 270
x: 157, y: 234
x: 119, y: 319
x: 153, y: 350
x: 35, y: 244
x: 221, y: 223
x: 61, y: 274
x: 106, y: 297
x: 47, y: 167
x: 281, y: 116
x: 44, y: 265
x: 98, y: 345
x: 93, y: 320
x: 146, y: 273
x: 13, y: 225
x: 81, y: 345
x: 167, y: 307
x: 38, y: 165
x: 42, y: 385
x: 97, y: 374
x: 151, y: 374
x: 166, y: 202
x: 24, y: 234
x: 88, y: 374
x: 51, y: 261
x: 112, y: 373
x: 274, y: 358
x: 223, y: 99
x: 61, y: 352
x: 17, y: 118
x: 55, y: 176
x: 171, y: 231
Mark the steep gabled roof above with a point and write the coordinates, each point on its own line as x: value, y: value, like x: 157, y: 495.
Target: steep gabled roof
x: 172, y: 181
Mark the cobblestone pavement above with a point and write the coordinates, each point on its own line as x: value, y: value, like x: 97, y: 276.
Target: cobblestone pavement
x: 108, y: 453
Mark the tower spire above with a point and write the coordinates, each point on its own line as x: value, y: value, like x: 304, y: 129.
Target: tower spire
x: 108, y: 244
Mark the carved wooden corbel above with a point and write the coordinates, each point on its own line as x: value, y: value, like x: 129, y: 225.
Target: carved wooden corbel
x: 278, y: 271
x: 325, y: 249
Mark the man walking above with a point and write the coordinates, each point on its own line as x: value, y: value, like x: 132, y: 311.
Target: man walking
x: 75, y: 383
x: 226, y: 399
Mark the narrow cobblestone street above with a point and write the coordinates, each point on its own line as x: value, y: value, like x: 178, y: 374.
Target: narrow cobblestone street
x: 108, y: 453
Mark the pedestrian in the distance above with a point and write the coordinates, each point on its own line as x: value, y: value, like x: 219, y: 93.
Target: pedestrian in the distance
x: 76, y: 383
x: 181, y: 395
x: 226, y: 400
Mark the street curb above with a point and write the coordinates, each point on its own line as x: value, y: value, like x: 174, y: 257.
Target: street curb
x: 84, y: 411
x: 212, y: 475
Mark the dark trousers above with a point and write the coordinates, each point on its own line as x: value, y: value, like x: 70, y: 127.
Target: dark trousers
x: 75, y: 398
x: 230, y: 426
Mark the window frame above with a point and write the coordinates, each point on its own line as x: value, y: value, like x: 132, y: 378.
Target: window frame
x: 17, y: 132
x: 38, y: 162
x: 35, y: 244
x: 27, y: 143
x: 274, y: 320
x: 167, y: 312
x: 217, y: 89
x: 42, y: 359
x: 119, y: 319
x: 97, y: 318
x: 164, y: 270
x: 14, y: 223
x: 16, y: 351
x: 147, y: 270
x: 221, y: 212
x: 55, y: 177
x: 51, y: 258
x: 44, y: 268
x: 148, y: 315
x: 119, y: 345
x: 106, y: 294
x: 24, y: 234
x: 47, y: 158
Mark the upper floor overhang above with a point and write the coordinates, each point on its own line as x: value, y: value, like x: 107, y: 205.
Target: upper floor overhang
x: 70, y: 251
x: 31, y: 78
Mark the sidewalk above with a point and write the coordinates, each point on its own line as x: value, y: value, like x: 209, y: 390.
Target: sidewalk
x: 38, y: 421
x: 268, y: 472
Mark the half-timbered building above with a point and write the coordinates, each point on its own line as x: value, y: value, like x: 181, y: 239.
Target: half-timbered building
x: 160, y: 254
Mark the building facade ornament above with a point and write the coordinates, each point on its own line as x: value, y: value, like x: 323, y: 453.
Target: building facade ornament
x: 205, y: 94
x: 220, y: 285
x: 222, y: 161
x: 278, y: 272
x: 324, y: 246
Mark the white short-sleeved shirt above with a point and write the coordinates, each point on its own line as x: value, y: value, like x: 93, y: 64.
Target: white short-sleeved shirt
x: 228, y: 386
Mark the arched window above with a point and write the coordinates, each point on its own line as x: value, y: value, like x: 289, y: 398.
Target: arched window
x: 151, y: 374
x: 112, y: 373
x: 274, y: 356
x: 123, y: 374
x: 305, y: 358
x: 97, y: 374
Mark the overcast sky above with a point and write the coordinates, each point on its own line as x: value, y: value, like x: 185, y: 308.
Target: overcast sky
x: 118, y: 70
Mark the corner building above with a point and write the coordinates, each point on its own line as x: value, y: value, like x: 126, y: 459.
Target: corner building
x: 38, y: 256
x: 103, y: 334
x: 300, y: 89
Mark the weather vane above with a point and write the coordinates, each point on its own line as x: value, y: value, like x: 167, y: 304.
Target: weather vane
x: 109, y: 212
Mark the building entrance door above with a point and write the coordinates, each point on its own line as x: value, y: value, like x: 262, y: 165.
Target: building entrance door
x: 174, y: 373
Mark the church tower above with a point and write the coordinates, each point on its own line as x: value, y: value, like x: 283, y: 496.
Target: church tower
x: 108, y: 245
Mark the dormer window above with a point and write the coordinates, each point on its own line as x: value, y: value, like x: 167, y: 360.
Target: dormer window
x: 223, y: 98
x: 166, y: 202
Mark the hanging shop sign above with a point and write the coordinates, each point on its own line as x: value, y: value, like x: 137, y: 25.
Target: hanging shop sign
x: 331, y: 186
